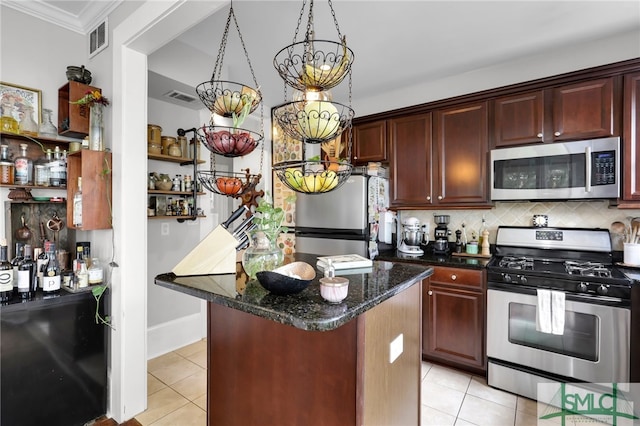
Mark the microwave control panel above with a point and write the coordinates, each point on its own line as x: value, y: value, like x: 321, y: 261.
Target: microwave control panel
x: 603, y: 171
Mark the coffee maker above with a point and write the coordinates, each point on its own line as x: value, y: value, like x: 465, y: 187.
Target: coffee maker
x: 441, y: 234
x: 411, y: 237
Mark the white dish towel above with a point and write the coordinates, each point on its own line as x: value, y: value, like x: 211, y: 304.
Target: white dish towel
x: 550, y: 312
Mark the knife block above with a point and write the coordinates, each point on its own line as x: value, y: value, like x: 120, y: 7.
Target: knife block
x: 215, y: 254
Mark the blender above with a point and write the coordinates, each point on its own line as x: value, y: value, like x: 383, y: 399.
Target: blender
x: 441, y: 234
x: 411, y: 237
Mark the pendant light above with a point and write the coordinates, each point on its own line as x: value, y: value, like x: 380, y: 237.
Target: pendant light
x: 230, y: 103
x: 311, y: 67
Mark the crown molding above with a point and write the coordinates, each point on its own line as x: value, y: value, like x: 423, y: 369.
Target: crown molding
x: 89, y: 16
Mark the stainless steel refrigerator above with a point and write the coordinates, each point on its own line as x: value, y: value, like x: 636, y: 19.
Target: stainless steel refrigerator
x: 342, y: 221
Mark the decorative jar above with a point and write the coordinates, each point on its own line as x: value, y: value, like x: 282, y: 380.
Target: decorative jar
x: 47, y: 128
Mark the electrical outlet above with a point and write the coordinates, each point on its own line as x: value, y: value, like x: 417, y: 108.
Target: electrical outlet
x: 395, y: 348
x: 164, y: 229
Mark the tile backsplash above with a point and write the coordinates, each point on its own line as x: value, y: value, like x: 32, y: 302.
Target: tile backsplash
x: 574, y: 214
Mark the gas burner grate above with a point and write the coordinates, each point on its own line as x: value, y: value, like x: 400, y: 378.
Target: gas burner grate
x: 587, y: 269
x: 516, y: 262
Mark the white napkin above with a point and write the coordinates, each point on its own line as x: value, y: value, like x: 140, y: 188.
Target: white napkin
x: 550, y: 312
x: 557, y: 313
x: 543, y: 311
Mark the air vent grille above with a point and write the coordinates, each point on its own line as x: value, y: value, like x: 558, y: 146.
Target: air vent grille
x: 98, y: 39
x: 174, y: 94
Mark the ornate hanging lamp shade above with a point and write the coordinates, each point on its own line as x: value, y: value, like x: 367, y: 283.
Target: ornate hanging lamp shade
x: 232, y: 101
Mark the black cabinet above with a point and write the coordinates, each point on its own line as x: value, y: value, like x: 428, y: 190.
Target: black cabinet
x: 53, y: 361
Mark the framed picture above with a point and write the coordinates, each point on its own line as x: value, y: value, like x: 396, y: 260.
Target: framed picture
x: 18, y: 101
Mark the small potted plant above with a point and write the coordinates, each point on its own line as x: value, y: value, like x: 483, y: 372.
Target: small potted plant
x: 264, y: 253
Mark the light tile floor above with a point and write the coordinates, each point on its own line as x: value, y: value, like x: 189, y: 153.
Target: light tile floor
x: 177, y: 388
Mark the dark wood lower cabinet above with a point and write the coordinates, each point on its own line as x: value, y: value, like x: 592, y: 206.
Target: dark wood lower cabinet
x: 263, y: 372
x: 454, y: 319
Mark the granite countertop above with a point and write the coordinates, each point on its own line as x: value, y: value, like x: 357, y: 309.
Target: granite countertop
x: 306, y: 310
x: 429, y: 258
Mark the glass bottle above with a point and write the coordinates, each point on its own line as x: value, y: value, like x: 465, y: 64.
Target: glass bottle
x: 27, y: 282
x: 23, y: 167
x: 96, y: 127
x: 6, y: 166
x: 18, y: 257
x: 28, y: 126
x: 41, y: 170
x: 6, y: 274
x: 52, y: 274
x: 96, y: 274
x: 77, y: 205
x: 7, y: 122
x: 46, y: 127
x: 57, y: 169
x: 483, y: 228
x: 82, y: 275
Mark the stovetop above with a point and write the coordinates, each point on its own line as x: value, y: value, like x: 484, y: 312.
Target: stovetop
x: 567, y: 259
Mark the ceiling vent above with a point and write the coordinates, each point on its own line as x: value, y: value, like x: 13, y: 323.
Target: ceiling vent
x: 98, y: 39
x: 174, y: 94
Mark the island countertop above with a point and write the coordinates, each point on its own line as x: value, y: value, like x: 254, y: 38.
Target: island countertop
x: 306, y: 310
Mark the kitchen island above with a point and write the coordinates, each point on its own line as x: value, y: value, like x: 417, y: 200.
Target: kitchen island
x: 276, y: 360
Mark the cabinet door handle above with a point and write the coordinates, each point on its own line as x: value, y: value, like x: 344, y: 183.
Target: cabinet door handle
x: 430, y: 293
x: 454, y: 277
x: 557, y: 133
x: 540, y: 135
x: 439, y: 197
x: 428, y: 197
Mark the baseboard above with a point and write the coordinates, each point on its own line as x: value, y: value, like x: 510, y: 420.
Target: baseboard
x: 172, y: 335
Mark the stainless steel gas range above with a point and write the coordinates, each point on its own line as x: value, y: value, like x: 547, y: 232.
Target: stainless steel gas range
x: 558, y: 310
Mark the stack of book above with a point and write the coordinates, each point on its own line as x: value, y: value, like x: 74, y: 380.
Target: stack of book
x: 346, y: 263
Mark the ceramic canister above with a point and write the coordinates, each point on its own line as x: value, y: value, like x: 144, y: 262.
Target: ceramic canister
x: 167, y: 141
x: 154, y: 133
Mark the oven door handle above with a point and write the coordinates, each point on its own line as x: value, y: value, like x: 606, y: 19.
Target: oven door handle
x: 574, y: 297
x: 587, y: 169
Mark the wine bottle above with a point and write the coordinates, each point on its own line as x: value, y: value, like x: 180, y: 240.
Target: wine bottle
x: 41, y: 261
x: 6, y: 274
x: 27, y: 275
x: 51, y: 279
x: 18, y: 257
x: 77, y: 205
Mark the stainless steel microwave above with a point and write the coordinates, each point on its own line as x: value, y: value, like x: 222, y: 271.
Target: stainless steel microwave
x: 557, y: 171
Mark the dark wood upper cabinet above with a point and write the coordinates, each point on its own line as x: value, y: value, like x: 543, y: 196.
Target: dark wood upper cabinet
x: 410, y: 142
x: 460, y: 149
x: 370, y: 142
x: 519, y: 119
x: 589, y: 109
x: 631, y: 142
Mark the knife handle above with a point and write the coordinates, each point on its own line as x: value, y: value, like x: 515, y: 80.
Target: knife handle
x: 236, y: 214
x: 242, y: 227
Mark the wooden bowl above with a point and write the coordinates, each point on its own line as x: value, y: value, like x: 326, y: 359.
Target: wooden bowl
x: 281, y: 282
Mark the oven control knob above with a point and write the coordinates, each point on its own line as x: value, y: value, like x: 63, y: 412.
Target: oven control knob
x: 602, y: 290
x: 506, y: 278
x: 523, y: 279
x: 582, y: 287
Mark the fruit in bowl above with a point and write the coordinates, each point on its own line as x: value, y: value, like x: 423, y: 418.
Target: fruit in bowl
x: 229, y: 185
x: 320, y: 120
x: 243, y: 143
